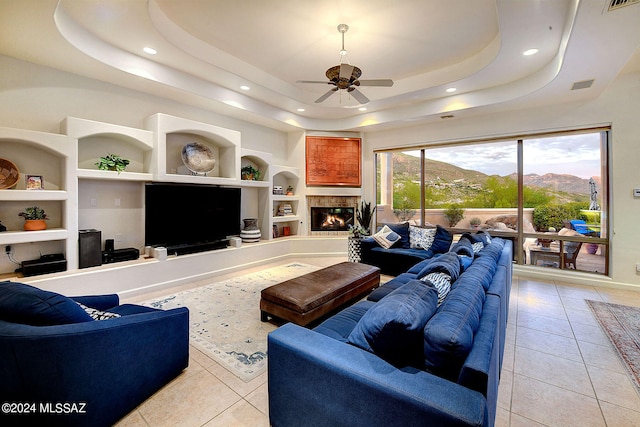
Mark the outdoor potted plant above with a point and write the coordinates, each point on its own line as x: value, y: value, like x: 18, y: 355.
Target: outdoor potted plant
x: 112, y: 162
x: 453, y: 214
x: 249, y: 173
x: 34, y: 218
x: 475, y: 222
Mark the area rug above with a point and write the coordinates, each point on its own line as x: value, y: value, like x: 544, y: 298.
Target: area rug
x: 621, y: 323
x: 225, y: 321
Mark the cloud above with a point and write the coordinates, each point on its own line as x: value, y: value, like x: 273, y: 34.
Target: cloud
x: 577, y: 155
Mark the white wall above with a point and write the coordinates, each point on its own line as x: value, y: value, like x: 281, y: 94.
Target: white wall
x: 617, y: 106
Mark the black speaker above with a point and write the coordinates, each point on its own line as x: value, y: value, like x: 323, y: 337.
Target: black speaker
x: 89, y: 245
x: 109, y: 245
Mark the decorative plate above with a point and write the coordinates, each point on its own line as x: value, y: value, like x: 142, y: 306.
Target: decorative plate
x: 9, y: 174
x: 198, y: 158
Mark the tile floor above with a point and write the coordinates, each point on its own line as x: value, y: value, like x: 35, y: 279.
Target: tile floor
x: 559, y: 370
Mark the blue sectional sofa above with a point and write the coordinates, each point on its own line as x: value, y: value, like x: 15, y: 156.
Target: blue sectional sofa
x: 399, y: 358
x: 403, y: 255
x: 66, y: 368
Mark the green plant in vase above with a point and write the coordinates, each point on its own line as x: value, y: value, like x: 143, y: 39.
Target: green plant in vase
x: 112, y: 162
x: 34, y: 218
x: 249, y: 173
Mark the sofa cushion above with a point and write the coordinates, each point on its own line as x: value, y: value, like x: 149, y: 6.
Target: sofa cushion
x: 448, y: 263
x: 25, y: 304
x: 390, y: 286
x: 463, y: 247
x: 421, y: 238
x: 392, y: 328
x: 448, y: 336
x: 441, y: 241
x: 340, y: 325
x: 386, y: 237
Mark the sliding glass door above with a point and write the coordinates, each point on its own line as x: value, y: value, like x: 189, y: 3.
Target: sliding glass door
x: 547, y: 193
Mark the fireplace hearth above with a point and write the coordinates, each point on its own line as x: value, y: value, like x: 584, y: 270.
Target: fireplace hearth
x: 332, y: 218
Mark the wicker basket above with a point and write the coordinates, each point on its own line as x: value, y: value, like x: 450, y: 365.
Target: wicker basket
x: 9, y: 174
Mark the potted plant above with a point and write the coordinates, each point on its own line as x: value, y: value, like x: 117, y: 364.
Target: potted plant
x: 34, y: 218
x: 475, y: 222
x: 453, y: 214
x: 112, y: 162
x: 364, y: 216
x: 290, y: 190
x: 249, y: 173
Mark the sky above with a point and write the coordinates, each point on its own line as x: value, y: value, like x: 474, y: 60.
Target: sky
x: 577, y: 155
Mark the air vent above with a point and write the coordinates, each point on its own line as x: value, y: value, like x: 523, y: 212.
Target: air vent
x: 617, y: 4
x: 585, y: 84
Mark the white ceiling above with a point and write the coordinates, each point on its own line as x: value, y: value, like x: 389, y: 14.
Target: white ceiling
x: 207, y: 49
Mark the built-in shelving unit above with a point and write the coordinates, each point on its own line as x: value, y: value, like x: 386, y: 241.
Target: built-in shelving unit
x: 53, y: 157
x: 285, y: 176
x: 171, y: 133
x: 77, y: 195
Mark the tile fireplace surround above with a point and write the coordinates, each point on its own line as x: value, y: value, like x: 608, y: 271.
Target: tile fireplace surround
x: 329, y: 202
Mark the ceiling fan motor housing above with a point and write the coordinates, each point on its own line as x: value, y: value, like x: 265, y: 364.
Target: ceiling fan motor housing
x: 333, y: 74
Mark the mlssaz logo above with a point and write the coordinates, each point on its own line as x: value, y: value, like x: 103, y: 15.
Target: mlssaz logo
x: 63, y: 408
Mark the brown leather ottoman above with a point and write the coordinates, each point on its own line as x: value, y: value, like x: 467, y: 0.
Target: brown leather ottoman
x: 307, y: 298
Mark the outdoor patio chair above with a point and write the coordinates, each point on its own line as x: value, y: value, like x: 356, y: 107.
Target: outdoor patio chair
x: 571, y: 251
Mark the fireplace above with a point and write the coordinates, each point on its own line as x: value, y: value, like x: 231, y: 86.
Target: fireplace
x: 332, y: 218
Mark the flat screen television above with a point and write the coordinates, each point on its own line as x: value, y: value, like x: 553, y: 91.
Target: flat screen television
x: 188, y: 218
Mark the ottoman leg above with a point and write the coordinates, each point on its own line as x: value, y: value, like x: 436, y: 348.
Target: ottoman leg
x: 264, y: 316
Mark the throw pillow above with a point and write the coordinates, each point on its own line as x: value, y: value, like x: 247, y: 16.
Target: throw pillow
x: 441, y: 241
x: 402, y: 229
x: 393, y: 327
x: 421, y: 238
x: 386, y: 237
x: 442, y: 283
x: 28, y: 305
x: 98, y: 314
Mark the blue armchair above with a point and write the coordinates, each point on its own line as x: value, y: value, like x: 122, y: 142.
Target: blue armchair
x: 91, y: 372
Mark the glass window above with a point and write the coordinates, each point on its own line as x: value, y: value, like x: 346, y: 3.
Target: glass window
x: 552, y: 203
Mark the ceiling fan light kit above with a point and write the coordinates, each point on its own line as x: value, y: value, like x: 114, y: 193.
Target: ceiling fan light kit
x: 346, y: 77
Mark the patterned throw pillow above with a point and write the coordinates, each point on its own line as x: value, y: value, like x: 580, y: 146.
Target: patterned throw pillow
x: 386, y: 237
x: 421, y: 238
x: 477, y: 247
x: 442, y: 283
x: 97, y: 314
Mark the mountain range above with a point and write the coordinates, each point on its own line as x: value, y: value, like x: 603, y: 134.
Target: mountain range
x: 408, y: 167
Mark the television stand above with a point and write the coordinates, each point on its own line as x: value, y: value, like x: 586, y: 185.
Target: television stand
x: 192, y: 248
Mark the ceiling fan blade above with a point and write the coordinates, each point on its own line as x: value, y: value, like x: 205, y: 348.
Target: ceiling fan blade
x: 379, y: 82
x: 325, y: 96
x: 359, y: 96
x: 314, y: 81
x: 345, y: 71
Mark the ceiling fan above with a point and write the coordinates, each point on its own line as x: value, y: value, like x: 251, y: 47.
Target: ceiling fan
x: 345, y: 76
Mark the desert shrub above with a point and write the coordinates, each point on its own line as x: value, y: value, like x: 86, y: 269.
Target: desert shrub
x: 551, y: 215
x: 454, y: 214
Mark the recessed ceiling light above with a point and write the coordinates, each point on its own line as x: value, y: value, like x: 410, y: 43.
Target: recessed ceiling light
x: 362, y: 109
x: 301, y: 109
x: 245, y: 87
x: 451, y: 89
x: 150, y: 50
x: 530, y: 52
